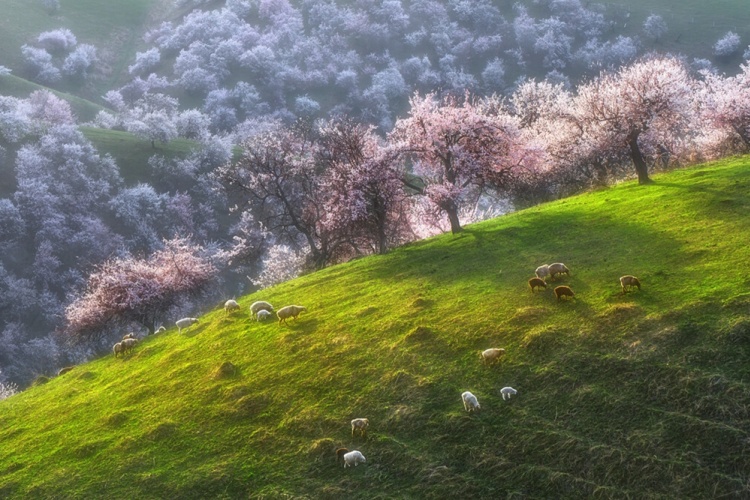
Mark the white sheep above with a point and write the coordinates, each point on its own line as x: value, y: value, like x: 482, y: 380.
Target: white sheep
x: 290, y: 312
x: 558, y: 268
x: 231, y: 305
x: 492, y: 354
x: 184, y: 323
x: 470, y: 401
x: 130, y: 335
x: 508, y: 391
x: 360, y: 425
x: 542, y: 272
x: 117, y: 348
x: 353, y: 457
x: 128, y: 344
x: 264, y: 315
x: 161, y: 329
x: 260, y: 305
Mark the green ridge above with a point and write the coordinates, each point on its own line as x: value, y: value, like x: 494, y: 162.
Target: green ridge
x: 645, y: 395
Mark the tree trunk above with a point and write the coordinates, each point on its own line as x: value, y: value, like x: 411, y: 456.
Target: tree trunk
x: 453, y: 217
x: 640, y: 164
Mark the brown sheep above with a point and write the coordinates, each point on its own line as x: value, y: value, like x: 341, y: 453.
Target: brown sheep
x: 563, y: 291
x: 629, y: 281
x: 558, y: 268
x: 340, y: 452
x: 536, y: 282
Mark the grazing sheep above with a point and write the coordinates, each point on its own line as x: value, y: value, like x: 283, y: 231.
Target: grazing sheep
x: 260, y: 305
x: 558, y: 268
x: 184, y: 323
x: 508, y: 391
x: 629, y: 281
x: 340, y: 452
x: 360, y: 425
x: 161, y: 329
x: 537, y: 282
x: 118, y: 348
x: 470, y: 401
x: 493, y: 354
x: 542, y: 271
x: 65, y: 370
x: 563, y: 291
x: 231, y: 305
x: 264, y: 315
x: 130, y: 335
x: 128, y: 344
x: 353, y: 457
x: 289, y: 312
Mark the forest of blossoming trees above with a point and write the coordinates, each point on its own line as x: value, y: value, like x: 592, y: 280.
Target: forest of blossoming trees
x: 415, y: 143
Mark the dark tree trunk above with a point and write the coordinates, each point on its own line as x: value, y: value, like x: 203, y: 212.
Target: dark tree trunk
x: 638, y: 162
x: 453, y: 218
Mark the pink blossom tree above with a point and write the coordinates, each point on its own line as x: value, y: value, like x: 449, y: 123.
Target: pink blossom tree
x: 457, y: 149
x: 278, y: 181
x: 648, y: 100
x: 366, y: 200
x: 128, y: 289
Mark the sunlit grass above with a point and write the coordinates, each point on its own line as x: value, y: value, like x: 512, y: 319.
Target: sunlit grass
x: 643, y: 394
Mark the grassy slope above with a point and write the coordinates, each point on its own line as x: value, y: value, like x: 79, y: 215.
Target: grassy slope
x: 694, y: 25
x: 114, y: 27
x: 641, y: 395
x: 11, y: 85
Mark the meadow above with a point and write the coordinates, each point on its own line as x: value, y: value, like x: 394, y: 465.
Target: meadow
x: 643, y: 394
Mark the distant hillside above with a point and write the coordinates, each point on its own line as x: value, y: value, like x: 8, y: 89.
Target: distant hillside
x: 637, y: 395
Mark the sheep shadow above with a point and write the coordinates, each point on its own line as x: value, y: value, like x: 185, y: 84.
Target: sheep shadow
x: 190, y: 332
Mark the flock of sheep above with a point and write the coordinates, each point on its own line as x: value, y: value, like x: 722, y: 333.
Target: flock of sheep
x: 552, y: 270
x: 262, y: 310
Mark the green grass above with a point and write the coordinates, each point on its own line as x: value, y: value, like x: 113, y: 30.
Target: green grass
x: 11, y: 85
x: 132, y: 153
x: 114, y: 27
x: 644, y: 395
x: 694, y: 25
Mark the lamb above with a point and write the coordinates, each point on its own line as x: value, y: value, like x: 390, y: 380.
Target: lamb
x: 558, y: 268
x: 161, y: 329
x: 493, y: 354
x: 118, y: 348
x: 290, y: 312
x: 508, y: 391
x: 128, y: 344
x: 563, y: 291
x: 260, y: 305
x: 353, y: 457
x: 470, y: 401
x: 231, y: 305
x: 340, y: 452
x: 629, y: 281
x: 184, y: 323
x: 360, y: 425
x: 264, y: 315
x: 130, y: 335
x: 536, y: 282
x: 542, y: 271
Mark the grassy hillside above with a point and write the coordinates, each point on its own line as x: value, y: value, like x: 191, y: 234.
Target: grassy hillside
x: 115, y: 28
x: 643, y: 395
x: 11, y: 85
x: 694, y: 25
